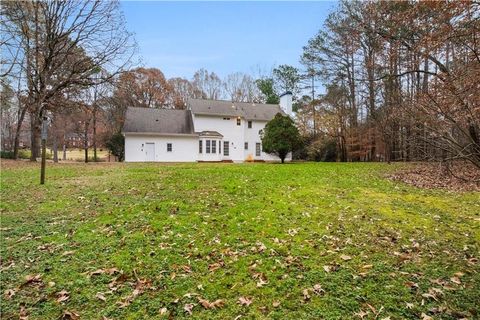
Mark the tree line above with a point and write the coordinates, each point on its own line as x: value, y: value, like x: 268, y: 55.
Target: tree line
x: 400, y: 79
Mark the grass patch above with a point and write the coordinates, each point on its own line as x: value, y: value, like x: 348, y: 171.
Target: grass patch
x: 295, y: 241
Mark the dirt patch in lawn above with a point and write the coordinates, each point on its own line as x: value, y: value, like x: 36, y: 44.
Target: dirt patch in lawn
x: 455, y: 177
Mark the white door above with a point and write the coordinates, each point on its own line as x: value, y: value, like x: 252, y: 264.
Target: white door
x: 149, y: 151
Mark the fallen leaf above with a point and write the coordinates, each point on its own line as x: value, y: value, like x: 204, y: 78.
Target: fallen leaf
x: 33, y: 279
x: 317, y: 289
x: 361, y: 314
x: 9, y: 293
x: 244, y: 301
x: 456, y: 280
x: 62, y: 296
x: 261, y: 283
x: 345, y: 257
x: 214, y: 266
x: 211, y: 305
x: 423, y: 316
x: 163, y: 311
x: 70, y: 315
x: 306, y: 294
x: 100, y: 296
x: 23, y: 314
x: 275, y: 304
x: 188, y: 308
x: 327, y: 268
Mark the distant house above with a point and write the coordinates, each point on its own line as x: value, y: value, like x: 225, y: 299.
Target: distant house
x: 208, y: 130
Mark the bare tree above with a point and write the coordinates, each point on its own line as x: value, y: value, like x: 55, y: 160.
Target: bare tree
x: 241, y: 87
x: 208, y: 83
x: 66, y: 44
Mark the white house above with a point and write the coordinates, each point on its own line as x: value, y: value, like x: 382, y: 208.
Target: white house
x: 208, y: 130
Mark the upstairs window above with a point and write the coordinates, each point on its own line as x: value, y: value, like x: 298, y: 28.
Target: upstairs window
x: 200, y: 146
x: 207, y: 146
x: 249, y: 124
x: 246, y: 145
x: 239, y: 121
x: 169, y: 147
x: 258, y: 149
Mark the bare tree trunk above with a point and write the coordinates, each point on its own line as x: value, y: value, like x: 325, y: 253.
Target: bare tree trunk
x: 64, y: 157
x: 94, y: 137
x: 18, y: 130
x: 36, y: 128
x: 55, y: 149
x: 86, y: 141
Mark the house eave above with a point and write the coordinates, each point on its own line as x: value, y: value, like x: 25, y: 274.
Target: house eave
x: 162, y: 134
x: 219, y: 115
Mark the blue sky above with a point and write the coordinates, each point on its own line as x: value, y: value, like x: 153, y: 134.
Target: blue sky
x: 225, y: 37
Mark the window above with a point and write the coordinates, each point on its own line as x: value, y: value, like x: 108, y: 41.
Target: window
x: 169, y: 147
x: 226, y: 148
x: 200, y: 146
x: 207, y: 146
x: 219, y: 147
x: 258, y: 150
x: 249, y: 124
x: 246, y: 145
x: 214, y: 146
x: 239, y: 121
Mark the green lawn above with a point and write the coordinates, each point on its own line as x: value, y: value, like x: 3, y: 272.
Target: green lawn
x: 294, y: 241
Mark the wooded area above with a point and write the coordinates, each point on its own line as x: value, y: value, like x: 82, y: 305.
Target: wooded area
x: 401, y: 80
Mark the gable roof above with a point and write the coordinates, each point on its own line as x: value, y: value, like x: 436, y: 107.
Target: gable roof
x: 247, y: 110
x: 162, y: 121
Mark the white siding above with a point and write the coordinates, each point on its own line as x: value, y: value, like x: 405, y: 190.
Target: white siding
x: 252, y: 136
x: 228, y: 128
x: 184, y: 149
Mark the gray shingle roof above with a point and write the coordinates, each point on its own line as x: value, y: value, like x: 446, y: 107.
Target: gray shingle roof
x: 164, y: 121
x: 210, y: 134
x: 249, y: 111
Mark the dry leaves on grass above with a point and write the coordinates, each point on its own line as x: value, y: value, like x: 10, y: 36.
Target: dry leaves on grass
x: 211, y: 305
x: 214, y: 266
x: 70, y: 315
x: 9, y: 293
x: 316, y: 289
x: 63, y: 296
x: 163, y: 311
x: 100, y: 296
x: 245, y: 301
x: 423, y: 316
x: 188, y: 308
x: 436, y: 175
x: 344, y: 257
x: 23, y: 314
x: 109, y: 271
x: 140, y: 286
x: 32, y: 279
